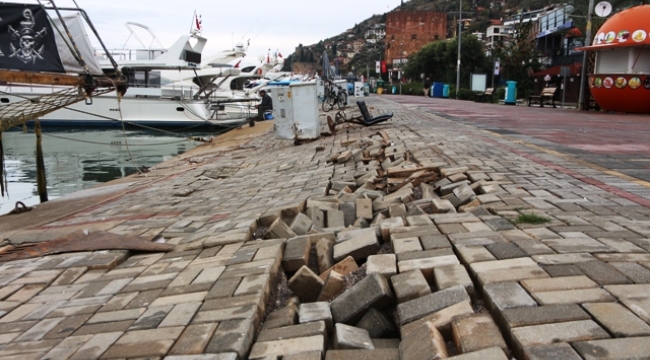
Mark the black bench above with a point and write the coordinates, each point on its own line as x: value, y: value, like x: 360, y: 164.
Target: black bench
x: 483, y: 96
x: 548, y: 93
x: 369, y: 120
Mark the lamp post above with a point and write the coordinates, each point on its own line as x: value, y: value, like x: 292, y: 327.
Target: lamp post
x: 583, y: 74
x: 460, y: 16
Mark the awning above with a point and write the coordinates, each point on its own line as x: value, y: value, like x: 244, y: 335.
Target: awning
x: 575, y: 69
x: 605, y: 46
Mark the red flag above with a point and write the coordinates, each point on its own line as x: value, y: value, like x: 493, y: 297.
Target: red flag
x: 237, y: 64
x: 383, y: 66
x: 198, y: 22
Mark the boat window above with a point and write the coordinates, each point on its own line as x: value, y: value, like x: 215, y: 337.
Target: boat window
x: 248, y: 69
x: 4, y: 100
x: 180, y: 108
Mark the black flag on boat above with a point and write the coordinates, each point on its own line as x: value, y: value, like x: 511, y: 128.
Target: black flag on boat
x: 27, y: 41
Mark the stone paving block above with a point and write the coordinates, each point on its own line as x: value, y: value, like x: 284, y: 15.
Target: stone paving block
x: 397, y: 210
x: 232, y: 336
x: 279, y: 230
x: 442, y: 206
x: 364, y: 208
x: 418, y: 308
x: 350, y: 337
x: 493, y: 353
x: 230, y: 313
x: 378, y: 354
x: 502, y: 296
x: 222, y: 356
x: 562, y: 351
x: 39, y: 330
x: 325, y: 254
x: 419, y: 220
x: 335, y: 218
x: 537, y: 315
x: 384, y: 264
x: 406, y: 245
x: 427, y: 265
x: 563, y: 259
x: 387, y: 225
x: 434, y: 242
x: 626, y: 348
x: 533, y: 247
x: 106, y: 327
x: 487, y: 266
x: 386, y: 343
x: 254, y: 284
x: 472, y: 254
x: 301, y: 224
x: 452, y: 275
x: 602, y: 273
x: 296, y: 254
x: 414, y: 231
x: 557, y: 284
x: 112, y: 316
x: 151, y: 318
x: 317, y: 311
x: 577, y: 245
x: 317, y: 217
x: 194, y: 339
x: 334, y: 285
x: 293, y: 331
x: 377, y: 324
x: 141, y: 343
x: 286, y: 316
x: 464, y: 194
x: 517, y: 273
x: 410, y: 285
x: 562, y: 270
x: 95, y: 346
x: 306, y: 284
x: 635, y: 272
x: 180, y: 315
x: 261, y: 350
x: 343, y: 267
x: 359, y: 247
x: 371, y: 291
x: 476, y: 332
x: 426, y: 343
x: 618, y: 320
x: 349, y: 212
x: 505, y: 251
x: 558, y: 332
x: 307, y: 355
x: 179, y: 299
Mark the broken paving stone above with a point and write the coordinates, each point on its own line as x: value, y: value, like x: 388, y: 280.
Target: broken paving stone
x: 316, y: 216
x: 279, y: 230
x: 385, y: 264
x: 364, y: 208
x: 397, y: 210
x: 335, y: 218
x: 417, y: 308
x: 296, y: 253
x: 410, y: 285
x: 464, y: 194
x: 301, y: 224
x: 325, y: 254
x: 359, y: 247
x: 424, y: 344
x: 378, y: 325
x: 306, y: 284
x: 343, y: 267
x: 476, y: 332
x: 372, y: 291
x: 334, y: 286
x: 316, y: 311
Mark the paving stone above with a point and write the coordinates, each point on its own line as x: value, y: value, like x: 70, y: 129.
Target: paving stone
x: 317, y: 217
x: 39, y: 330
x: 67, y: 326
x: 502, y: 296
x: 426, y: 343
x: 627, y: 348
x: 335, y: 218
x: 141, y: 343
x: 406, y: 245
x: 261, y: 350
x: 476, y: 332
x: 633, y: 271
x: 364, y: 208
x: 419, y: 220
x: 387, y: 226
x: 602, y: 273
x: 442, y: 206
x: 107, y: 327
x: 397, y: 210
x: 410, y: 285
x: 618, y: 320
x: 385, y: 264
x: 296, y: 254
x: 180, y: 315
x: 286, y: 316
x: 563, y: 259
x: 425, y: 254
x: 417, y: 308
x: 434, y: 242
x: 526, y: 316
x: 113, y: 316
x: 334, y: 285
x: 306, y: 284
x: 279, y: 230
x: 487, y: 266
x: 427, y: 265
x: 551, y: 351
x: 513, y: 274
x: 576, y: 245
x: 471, y: 254
x: 317, y: 311
x: 343, y: 267
x: 493, y: 353
x: 194, y: 339
x: 371, y: 291
x: 464, y: 194
x: 301, y: 224
x: 349, y: 212
x: 325, y: 254
x: 378, y: 354
x: 230, y: 313
x: 411, y: 231
x: 377, y: 324
x: 359, y: 247
x: 293, y: 331
x: 307, y: 355
x: 254, y: 284
x: 558, y: 332
x: 557, y: 284
x: 533, y: 247
x: 95, y: 346
x: 562, y: 270
x: 452, y: 275
x: 349, y: 337
x: 505, y: 251
x: 634, y: 297
x: 386, y: 343
x: 233, y: 336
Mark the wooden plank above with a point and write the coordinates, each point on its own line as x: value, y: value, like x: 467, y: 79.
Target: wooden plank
x: 41, y: 78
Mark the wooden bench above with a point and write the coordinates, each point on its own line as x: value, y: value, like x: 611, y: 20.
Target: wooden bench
x: 548, y: 94
x: 483, y: 96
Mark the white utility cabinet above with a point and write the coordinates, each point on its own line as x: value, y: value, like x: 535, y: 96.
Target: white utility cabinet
x: 295, y: 109
x: 359, y: 89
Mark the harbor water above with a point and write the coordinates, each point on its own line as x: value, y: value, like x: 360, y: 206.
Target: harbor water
x: 79, y: 159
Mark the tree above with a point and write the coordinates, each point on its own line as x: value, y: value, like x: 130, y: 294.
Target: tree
x: 519, y: 58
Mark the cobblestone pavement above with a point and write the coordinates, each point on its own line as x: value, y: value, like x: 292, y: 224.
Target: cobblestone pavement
x: 576, y: 287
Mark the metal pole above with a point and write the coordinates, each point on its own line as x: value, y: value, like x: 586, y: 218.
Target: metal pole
x: 460, y: 15
x: 401, y: 76
x: 583, y: 75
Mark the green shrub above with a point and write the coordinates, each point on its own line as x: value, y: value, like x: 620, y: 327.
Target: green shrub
x: 412, y: 89
x: 499, y: 94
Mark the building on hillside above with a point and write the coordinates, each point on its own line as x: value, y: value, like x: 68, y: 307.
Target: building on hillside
x: 495, y: 34
x: 407, y: 32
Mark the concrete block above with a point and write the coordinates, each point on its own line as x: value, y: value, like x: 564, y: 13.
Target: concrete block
x: 442, y: 206
x: 301, y: 224
x: 387, y: 225
x: 410, y: 285
x: 262, y: 350
x: 349, y: 212
x: 364, y: 208
x: 452, y: 275
x: 424, y: 344
x: 285, y: 316
x: 279, y: 230
x: 626, y: 348
x: 419, y: 220
x: 350, y: 337
x: 464, y: 194
x: 372, y: 291
x: 502, y: 296
x: 562, y: 351
x: 440, y: 319
x: 359, y: 247
x: 357, y: 354
x: 325, y: 254
x: 343, y: 267
x: 417, y: 308
x: 306, y: 284
x: 427, y: 265
x: 317, y: 217
x: 406, y: 245
x: 293, y: 331
x: 452, y: 170
x: 296, y: 254
x: 316, y: 311
x: 538, y: 315
x: 333, y: 287
x: 617, y: 319
x: 378, y: 325
x: 335, y: 218
x: 476, y: 332
x: 384, y: 264
x: 397, y: 210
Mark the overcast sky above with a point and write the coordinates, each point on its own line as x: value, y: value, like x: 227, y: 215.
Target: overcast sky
x: 278, y: 25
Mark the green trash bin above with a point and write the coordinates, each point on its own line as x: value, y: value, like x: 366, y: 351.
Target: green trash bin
x: 394, y: 90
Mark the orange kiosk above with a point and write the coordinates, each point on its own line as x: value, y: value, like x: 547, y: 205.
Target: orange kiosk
x: 621, y: 78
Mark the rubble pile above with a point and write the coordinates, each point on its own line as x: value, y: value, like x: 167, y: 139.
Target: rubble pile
x: 412, y: 297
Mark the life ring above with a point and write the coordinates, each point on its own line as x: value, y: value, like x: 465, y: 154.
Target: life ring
x: 259, y: 71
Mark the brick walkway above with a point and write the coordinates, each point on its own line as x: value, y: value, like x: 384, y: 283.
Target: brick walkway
x: 582, y: 280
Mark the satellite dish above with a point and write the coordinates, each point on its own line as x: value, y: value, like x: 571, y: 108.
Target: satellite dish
x: 603, y: 9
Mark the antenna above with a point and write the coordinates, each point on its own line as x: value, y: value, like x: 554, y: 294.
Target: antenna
x: 603, y: 9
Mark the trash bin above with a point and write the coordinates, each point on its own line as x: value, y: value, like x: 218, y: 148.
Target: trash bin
x: 511, y: 93
x: 366, y: 89
x: 437, y: 89
x: 380, y: 86
x: 445, y: 91
x: 394, y: 90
